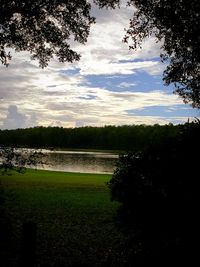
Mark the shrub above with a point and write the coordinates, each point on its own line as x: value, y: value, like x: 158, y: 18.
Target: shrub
x: 157, y: 189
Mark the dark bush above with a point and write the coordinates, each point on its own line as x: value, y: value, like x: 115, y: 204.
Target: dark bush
x: 157, y: 189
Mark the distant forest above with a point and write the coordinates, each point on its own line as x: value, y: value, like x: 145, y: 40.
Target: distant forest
x: 135, y: 137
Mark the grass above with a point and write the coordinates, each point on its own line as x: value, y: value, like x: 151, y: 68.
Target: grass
x: 73, y: 213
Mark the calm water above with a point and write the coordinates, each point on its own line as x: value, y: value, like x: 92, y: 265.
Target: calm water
x: 84, y: 162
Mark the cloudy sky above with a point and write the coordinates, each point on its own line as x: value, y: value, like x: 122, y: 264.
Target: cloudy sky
x: 110, y: 85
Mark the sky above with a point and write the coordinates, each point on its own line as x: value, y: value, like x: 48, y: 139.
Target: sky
x: 110, y: 85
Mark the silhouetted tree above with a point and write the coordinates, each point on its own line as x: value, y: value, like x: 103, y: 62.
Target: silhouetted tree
x: 157, y: 189
x: 44, y: 28
x: 176, y: 24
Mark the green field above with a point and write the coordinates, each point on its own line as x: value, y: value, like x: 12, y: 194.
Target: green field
x: 73, y: 213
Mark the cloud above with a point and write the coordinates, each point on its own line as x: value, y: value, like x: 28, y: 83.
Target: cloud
x: 62, y: 95
x: 106, y: 106
x: 55, y: 124
x: 51, y: 97
x: 105, y: 51
x: 104, y: 42
x: 15, y: 119
x: 126, y: 85
x: 93, y: 67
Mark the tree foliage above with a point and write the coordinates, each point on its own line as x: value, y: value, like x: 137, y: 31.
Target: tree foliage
x: 157, y: 189
x: 176, y: 23
x: 44, y: 28
x: 12, y: 159
x: 127, y: 137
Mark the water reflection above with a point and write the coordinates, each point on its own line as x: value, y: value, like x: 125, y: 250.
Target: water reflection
x: 76, y: 161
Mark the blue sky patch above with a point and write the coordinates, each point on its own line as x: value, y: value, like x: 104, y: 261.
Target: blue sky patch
x: 138, y: 82
x: 89, y: 97
x: 165, y: 111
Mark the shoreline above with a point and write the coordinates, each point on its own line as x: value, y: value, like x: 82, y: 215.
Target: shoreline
x: 63, y: 172
x: 70, y: 172
x: 54, y: 149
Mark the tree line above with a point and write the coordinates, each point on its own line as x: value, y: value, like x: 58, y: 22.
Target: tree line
x: 127, y: 137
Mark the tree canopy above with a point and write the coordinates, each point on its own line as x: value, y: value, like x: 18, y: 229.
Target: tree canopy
x: 44, y: 28
x: 176, y: 23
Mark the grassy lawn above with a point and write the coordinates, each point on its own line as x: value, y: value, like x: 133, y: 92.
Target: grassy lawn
x: 73, y: 213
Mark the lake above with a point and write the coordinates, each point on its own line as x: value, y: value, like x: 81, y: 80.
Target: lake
x: 76, y: 161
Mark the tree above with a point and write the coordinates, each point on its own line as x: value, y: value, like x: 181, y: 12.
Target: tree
x: 13, y: 159
x: 176, y: 23
x: 157, y: 189
x: 44, y: 28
